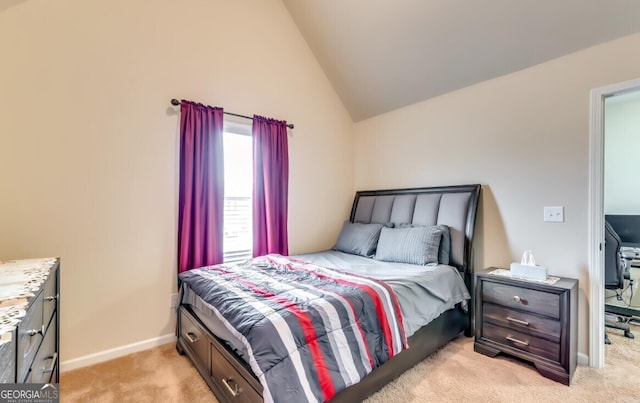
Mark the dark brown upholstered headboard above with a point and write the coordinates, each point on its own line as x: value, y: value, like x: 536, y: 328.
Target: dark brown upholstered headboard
x: 454, y: 206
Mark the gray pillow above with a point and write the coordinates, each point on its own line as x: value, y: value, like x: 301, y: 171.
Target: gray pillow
x: 358, y: 239
x: 444, y: 252
x: 414, y: 245
x: 445, y: 245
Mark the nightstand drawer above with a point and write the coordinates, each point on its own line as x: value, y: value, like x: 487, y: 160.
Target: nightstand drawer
x: 522, y: 341
x: 540, y: 302
x: 523, y: 322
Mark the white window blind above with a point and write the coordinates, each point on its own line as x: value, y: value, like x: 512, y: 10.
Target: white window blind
x: 238, y: 183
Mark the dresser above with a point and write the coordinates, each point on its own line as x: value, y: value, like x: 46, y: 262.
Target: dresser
x: 533, y: 321
x: 29, y: 321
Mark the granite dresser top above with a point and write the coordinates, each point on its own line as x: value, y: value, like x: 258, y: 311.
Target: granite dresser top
x: 19, y: 280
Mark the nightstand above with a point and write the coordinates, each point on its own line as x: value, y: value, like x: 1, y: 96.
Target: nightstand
x: 531, y: 320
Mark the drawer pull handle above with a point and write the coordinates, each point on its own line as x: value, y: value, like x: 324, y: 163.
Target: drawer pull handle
x: 235, y: 391
x: 191, y: 337
x: 524, y: 343
x: 54, y: 359
x: 51, y: 298
x: 33, y: 332
x: 517, y: 299
x: 518, y: 321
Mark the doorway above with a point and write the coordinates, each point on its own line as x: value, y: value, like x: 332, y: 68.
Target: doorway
x: 596, y: 215
x: 622, y: 200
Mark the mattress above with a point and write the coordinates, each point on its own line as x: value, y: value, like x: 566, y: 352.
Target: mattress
x: 423, y: 292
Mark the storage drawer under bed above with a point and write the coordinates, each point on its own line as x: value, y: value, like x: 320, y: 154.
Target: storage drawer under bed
x: 195, y: 338
x: 230, y: 381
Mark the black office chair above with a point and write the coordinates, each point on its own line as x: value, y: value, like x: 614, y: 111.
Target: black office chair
x: 616, y: 272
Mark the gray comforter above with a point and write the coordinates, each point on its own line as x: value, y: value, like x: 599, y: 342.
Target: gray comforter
x: 424, y: 292
x: 309, y: 331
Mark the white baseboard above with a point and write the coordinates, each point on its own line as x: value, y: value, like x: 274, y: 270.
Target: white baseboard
x: 115, y: 352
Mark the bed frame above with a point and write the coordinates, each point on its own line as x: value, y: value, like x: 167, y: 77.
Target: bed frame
x: 232, y: 380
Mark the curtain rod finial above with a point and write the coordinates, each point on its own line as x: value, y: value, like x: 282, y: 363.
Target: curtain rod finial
x: 175, y: 102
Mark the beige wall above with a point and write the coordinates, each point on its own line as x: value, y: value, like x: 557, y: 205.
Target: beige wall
x: 88, y: 143
x: 525, y: 138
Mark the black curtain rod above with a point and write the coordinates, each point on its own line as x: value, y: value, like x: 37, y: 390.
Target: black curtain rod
x: 176, y: 103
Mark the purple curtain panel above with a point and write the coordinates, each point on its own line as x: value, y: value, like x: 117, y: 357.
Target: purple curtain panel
x: 201, y: 199
x: 270, y: 186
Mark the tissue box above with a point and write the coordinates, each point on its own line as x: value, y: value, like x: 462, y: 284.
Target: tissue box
x: 530, y: 272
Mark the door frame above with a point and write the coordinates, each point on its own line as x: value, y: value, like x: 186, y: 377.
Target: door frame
x: 596, y: 215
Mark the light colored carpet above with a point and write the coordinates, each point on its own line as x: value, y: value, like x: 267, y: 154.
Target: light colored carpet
x: 454, y: 374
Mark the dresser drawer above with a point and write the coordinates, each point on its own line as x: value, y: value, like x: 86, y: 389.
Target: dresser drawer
x: 8, y: 360
x: 233, y: 385
x: 523, y: 322
x: 195, y: 338
x: 29, y: 337
x: 47, y: 358
x: 522, y: 341
x: 540, y: 302
x: 50, y: 297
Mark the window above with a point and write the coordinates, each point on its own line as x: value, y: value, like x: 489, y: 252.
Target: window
x: 238, y: 188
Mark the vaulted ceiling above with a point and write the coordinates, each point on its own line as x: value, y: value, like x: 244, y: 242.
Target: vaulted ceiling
x: 381, y: 55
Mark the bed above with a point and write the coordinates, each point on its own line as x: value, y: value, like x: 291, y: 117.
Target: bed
x: 385, y: 307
